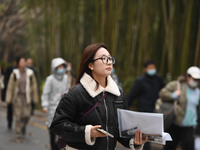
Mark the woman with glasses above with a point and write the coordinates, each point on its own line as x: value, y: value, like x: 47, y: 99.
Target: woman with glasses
x: 92, y: 104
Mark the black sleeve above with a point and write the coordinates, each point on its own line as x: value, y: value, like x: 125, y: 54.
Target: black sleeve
x: 6, y: 79
x: 64, y: 123
x: 7, y: 75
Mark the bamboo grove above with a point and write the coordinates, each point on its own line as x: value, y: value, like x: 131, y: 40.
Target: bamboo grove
x: 167, y: 31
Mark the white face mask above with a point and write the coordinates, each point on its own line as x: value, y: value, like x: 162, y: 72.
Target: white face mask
x: 193, y: 83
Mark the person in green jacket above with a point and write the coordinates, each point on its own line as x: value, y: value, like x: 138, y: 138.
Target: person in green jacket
x: 186, y: 94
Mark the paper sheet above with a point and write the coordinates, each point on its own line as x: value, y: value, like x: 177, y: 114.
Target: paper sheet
x: 151, y: 124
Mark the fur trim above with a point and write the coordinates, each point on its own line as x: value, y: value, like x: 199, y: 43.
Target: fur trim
x: 90, y: 85
x: 29, y: 72
x: 88, y: 139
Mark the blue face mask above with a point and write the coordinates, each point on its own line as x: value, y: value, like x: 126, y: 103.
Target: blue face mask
x: 151, y: 72
x: 113, y: 71
x: 60, y: 71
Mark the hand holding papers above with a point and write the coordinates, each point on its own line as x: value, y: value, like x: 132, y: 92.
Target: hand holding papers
x: 151, y: 125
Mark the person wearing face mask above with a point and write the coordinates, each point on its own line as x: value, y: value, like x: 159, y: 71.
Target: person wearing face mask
x: 55, y: 86
x: 146, y: 89
x: 187, y: 98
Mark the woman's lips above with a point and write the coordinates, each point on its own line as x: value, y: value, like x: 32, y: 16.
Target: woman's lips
x: 109, y: 68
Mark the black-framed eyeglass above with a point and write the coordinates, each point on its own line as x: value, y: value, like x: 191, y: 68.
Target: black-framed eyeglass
x: 106, y: 59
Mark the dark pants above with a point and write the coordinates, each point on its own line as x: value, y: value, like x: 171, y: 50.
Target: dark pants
x: 53, y: 141
x: 10, y: 115
x: 185, y: 135
x: 32, y: 108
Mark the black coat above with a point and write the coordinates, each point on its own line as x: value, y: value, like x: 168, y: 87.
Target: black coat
x: 7, y: 74
x: 146, y: 89
x: 74, y: 105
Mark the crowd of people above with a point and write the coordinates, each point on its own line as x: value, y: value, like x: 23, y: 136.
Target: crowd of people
x: 77, y: 107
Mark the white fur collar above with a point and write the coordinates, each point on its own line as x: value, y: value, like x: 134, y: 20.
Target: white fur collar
x: 17, y: 73
x: 90, y: 85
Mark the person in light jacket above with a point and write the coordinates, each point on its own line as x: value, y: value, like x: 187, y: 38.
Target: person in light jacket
x: 55, y: 86
x: 94, y: 85
x: 21, y: 92
x: 186, y: 95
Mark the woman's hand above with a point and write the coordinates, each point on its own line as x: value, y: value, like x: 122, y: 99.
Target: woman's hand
x: 94, y: 133
x: 138, y: 138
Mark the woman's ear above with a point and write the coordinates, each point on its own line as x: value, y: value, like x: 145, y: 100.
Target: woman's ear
x: 90, y: 66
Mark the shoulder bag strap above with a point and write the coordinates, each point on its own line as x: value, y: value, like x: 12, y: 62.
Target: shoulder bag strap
x: 91, y: 109
x: 175, y: 102
x: 61, y: 143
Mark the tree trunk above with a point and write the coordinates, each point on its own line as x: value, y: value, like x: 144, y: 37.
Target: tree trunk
x: 8, y: 47
x: 196, y: 60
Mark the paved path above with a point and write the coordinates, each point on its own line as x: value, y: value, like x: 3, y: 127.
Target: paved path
x: 37, y: 137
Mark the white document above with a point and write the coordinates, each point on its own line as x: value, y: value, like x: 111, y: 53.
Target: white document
x: 151, y: 125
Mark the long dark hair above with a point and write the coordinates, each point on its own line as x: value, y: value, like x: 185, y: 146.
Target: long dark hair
x: 87, y: 57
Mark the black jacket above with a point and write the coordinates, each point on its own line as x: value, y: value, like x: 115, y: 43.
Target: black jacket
x: 8, y: 72
x: 146, y: 89
x: 74, y: 105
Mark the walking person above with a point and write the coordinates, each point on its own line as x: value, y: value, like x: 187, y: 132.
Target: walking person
x: 21, y: 91
x: 30, y: 65
x: 7, y: 74
x: 92, y: 104
x: 187, y: 98
x: 55, y: 86
x: 146, y: 88
x: 1, y: 82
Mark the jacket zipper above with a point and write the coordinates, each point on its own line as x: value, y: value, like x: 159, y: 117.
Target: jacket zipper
x: 106, y: 120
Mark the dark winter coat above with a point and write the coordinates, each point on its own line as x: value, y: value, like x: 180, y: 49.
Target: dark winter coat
x: 146, y: 89
x: 77, y: 102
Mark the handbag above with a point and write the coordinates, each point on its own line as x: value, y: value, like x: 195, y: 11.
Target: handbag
x: 168, y: 109
x: 61, y: 142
